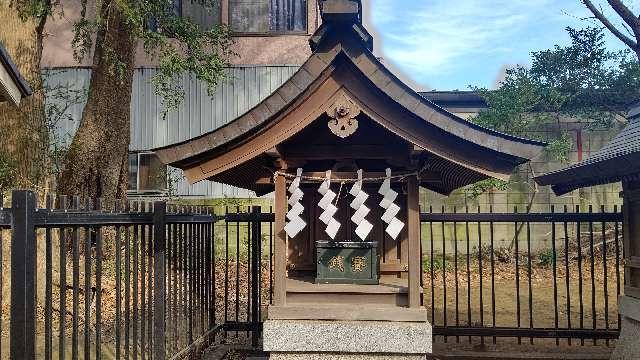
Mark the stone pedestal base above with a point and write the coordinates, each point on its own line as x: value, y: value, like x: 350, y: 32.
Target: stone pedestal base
x: 628, y: 345
x: 315, y: 339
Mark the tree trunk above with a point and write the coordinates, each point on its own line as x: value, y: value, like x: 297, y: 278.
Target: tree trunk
x: 96, y: 163
x: 24, y: 130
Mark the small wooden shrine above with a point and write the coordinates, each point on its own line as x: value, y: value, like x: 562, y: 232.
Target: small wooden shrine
x: 352, y: 127
x: 617, y: 161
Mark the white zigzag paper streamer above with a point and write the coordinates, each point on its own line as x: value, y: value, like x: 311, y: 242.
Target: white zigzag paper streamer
x: 395, y: 225
x: 326, y: 204
x: 296, y: 223
x: 364, y: 227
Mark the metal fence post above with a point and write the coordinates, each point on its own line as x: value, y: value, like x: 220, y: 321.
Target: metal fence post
x: 159, y: 273
x: 256, y: 246
x: 23, y: 276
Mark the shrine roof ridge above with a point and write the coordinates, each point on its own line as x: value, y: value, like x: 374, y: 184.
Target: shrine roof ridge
x: 300, y: 78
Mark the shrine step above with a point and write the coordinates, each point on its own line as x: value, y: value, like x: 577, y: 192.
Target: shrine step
x: 389, y: 292
x: 347, y: 312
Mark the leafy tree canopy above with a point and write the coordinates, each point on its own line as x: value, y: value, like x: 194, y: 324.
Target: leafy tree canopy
x: 583, y: 81
x: 178, y: 44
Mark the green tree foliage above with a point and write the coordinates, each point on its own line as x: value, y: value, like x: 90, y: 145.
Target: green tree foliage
x: 114, y: 33
x: 175, y: 42
x: 583, y: 81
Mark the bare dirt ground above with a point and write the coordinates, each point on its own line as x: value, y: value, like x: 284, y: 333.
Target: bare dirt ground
x: 588, y: 300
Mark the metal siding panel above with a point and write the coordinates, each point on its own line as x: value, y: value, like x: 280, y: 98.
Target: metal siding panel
x: 68, y: 111
x: 198, y: 114
x: 133, y: 133
x: 191, y: 111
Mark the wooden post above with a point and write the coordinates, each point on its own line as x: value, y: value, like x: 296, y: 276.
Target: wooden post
x: 280, y: 243
x: 631, y: 226
x: 413, y: 229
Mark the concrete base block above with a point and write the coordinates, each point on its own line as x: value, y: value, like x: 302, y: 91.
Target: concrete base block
x: 314, y: 339
x: 628, y: 345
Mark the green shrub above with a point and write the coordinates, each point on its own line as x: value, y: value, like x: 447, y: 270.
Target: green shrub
x: 545, y: 257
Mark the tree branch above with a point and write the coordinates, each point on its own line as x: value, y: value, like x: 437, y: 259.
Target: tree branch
x: 603, y: 19
x: 627, y: 15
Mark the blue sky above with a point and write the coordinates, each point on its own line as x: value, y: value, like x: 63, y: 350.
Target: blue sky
x: 451, y: 44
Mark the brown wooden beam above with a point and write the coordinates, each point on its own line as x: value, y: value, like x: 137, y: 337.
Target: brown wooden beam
x: 339, y: 175
x: 280, y: 243
x: 413, y: 224
x: 321, y: 152
x: 395, y: 267
x: 431, y: 177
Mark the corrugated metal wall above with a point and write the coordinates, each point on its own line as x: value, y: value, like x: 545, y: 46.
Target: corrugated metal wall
x: 199, y: 113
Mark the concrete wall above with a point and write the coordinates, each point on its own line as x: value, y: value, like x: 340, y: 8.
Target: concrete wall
x: 522, y: 193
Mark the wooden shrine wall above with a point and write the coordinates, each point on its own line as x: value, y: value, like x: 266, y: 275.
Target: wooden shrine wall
x: 302, y: 250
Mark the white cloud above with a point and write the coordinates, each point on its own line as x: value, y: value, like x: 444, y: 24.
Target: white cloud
x: 433, y: 35
x: 429, y: 38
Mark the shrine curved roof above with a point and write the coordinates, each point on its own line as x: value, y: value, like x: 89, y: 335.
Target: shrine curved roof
x: 335, y: 42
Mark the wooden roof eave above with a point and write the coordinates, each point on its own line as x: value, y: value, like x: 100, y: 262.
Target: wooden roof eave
x: 188, y: 154
x: 596, y: 173
x: 618, y: 160
x: 311, y: 108
x: 13, y: 87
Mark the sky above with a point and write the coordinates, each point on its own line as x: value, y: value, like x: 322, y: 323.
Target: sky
x: 452, y: 44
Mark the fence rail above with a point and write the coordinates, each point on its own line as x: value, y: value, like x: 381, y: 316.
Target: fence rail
x: 160, y: 281
x: 567, y: 288
x: 138, y: 280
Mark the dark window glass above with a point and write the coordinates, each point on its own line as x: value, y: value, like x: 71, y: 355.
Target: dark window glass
x: 205, y: 13
x: 133, y: 172
x: 152, y: 174
x: 288, y: 15
x: 265, y: 16
x: 146, y: 173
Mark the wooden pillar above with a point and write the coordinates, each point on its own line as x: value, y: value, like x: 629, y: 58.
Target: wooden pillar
x: 280, y: 243
x: 413, y: 229
x: 631, y: 225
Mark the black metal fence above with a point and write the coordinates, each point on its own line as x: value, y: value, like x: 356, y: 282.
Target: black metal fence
x: 552, y: 275
x: 141, y: 280
x: 135, y: 281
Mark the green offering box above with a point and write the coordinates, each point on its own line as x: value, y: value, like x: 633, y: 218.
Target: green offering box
x: 347, y: 262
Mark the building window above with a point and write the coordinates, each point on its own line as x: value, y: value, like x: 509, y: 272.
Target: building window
x: 146, y: 173
x: 204, y: 13
x: 268, y: 16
